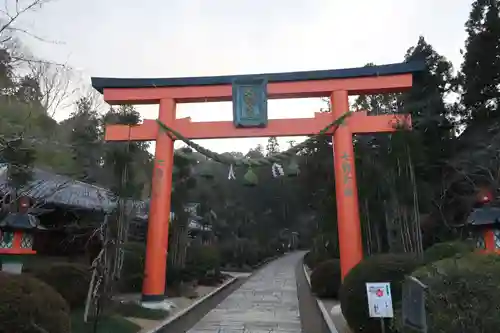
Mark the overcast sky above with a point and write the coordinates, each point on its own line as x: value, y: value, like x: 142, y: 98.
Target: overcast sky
x: 169, y: 38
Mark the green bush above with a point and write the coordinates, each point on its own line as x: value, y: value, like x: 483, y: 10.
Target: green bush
x: 174, y: 276
x: 445, y: 250
x: 313, y: 258
x: 326, y: 279
x: 106, y: 324
x: 463, y: 294
x: 227, y: 254
x: 202, y: 259
x: 243, y: 254
x: 71, y: 280
x: 325, y: 247
x: 28, y: 305
x: 268, y: 251
x: 132, y: 273
x: 247, y: 252
x: 240, y: 253
x: 379, y: 268
x: 134, y: 261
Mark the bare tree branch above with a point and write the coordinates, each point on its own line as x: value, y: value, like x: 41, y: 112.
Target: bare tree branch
x: 10, y: 30
x: 13, y: 15
x: 56, y: 88
x: 40, y: 39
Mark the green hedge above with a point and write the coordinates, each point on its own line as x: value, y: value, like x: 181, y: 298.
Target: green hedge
x: 463, y: 294
x: 71, y: 280
x: 202, y: 259
x: 445, y: 250
x: 28, y: 305
x: 132, y: 273
x: 245, y: 254
x: 326, y: 279
x: 378, y: 268
x: 312, y: 258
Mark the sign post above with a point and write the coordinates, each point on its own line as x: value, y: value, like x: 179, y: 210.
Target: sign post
x: 379, y: 301
x: 414, y: 315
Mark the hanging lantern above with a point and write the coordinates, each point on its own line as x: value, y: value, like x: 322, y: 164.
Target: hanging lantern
x: 292, y: 169
x: 16, y: 240
x: 250, y: 178
x: 483, y: 197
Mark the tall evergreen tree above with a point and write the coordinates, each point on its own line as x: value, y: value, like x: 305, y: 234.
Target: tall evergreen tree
x: 411, y: 163
x: 85, y: 141
x: 480, y: 76
x: 132, y: 180
x: 272, y: 146
x: 20, y: 157
x: 29, y: 91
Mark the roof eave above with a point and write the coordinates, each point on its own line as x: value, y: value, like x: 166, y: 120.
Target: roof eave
x: 101, y: 83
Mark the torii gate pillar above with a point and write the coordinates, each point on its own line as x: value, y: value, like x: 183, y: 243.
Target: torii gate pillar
x: 337, y: 84
x: 159, y: 211
x: 351, y: 251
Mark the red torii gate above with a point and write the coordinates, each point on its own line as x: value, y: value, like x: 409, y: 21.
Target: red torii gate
x: 335, y: 84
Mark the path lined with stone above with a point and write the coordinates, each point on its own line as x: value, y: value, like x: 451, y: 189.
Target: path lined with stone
x: 266, y: 303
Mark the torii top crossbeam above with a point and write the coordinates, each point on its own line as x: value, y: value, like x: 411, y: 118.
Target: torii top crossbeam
x: 356, y: 81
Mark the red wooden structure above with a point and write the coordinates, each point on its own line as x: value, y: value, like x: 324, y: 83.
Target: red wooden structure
x: 335, y: 84
x: 484, y: 221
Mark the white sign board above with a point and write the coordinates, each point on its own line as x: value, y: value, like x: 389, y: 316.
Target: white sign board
x: 379, y: 300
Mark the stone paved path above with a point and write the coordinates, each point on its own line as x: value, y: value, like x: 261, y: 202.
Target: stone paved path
x: 266, y: 303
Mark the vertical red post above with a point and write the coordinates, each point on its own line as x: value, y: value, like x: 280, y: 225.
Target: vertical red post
x: 489, y: 241
x: 153, y: 289
x: 349, y: 228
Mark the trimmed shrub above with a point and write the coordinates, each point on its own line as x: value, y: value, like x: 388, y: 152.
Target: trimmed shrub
x: 203, y: 260
x: 464, y: 294
x: 326, y: 279
x: 71, y: 280
x: 312, y: 258
x: 132, y: 273
x: 240, y: 253
x: 325, y: 247
x: 379, y: 268
x: 227, y: 253
x: 247, y: 252
x: 28, y: 305
x: 445, y: 250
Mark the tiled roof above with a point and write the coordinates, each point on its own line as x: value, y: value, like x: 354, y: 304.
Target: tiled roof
x: 62, y: 190
x: 58, y: 189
